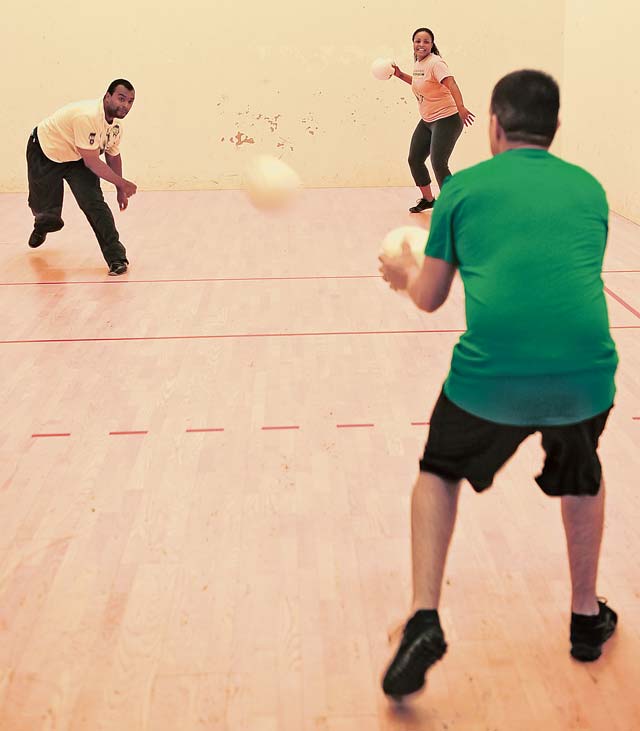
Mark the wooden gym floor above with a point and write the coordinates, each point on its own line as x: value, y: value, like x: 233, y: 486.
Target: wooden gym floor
x: 205, y: 469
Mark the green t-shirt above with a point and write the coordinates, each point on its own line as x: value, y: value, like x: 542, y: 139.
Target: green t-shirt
x: 528, y: 233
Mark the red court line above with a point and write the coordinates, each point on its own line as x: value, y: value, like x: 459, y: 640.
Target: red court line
x: 64, y: 434
x: 263, y: 428
x: 192, y: 281
x: 275, y: 428
x: 227, y: 279
x: 238, y: 336
x: 228, y: 336
x: 622, y: 302
x: 125, y: 433
x: 198, y: 431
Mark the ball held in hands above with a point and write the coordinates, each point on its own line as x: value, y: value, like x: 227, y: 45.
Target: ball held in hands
x: 382, y: 68
x: 415, y: 236
x: 402, y: 250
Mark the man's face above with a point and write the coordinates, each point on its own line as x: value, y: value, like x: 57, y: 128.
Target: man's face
x: 118, y: 104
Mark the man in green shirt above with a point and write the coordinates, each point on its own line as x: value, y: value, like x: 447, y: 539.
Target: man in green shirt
x: 527, y: 232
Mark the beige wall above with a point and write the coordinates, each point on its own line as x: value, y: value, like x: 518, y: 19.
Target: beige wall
x: 601, y: 96
x: 211, y: 75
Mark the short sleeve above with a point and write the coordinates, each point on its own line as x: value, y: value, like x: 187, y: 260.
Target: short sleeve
x: 440, y: 70
x: 85, y: 133
x: 441, y: 241
x: 114, y: 135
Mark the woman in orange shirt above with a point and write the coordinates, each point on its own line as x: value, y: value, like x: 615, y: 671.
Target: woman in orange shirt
x: 442, y: 113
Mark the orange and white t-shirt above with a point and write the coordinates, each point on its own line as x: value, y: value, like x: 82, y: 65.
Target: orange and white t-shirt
x: 434, y: 99
x: 78, y: 126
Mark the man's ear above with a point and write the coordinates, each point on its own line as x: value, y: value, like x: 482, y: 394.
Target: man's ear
x: 495, y: 127
x: 496, y: 133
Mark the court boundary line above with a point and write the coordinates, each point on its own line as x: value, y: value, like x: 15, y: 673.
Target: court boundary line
x: 620, y: 301
x: 230, y: 336
x: 197, y: 280
x: 245, y: 336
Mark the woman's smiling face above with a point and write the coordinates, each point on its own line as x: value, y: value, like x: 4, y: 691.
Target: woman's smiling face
x: 422, y: 44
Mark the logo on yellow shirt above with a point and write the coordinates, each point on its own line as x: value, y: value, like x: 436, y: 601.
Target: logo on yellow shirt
x: 92, y: 137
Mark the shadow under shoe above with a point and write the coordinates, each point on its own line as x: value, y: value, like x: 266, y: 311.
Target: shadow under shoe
x: 421, y: 646
x: 589, y: 633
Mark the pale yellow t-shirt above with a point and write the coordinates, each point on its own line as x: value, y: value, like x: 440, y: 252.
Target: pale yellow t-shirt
x: 78, y: 126
x: 434, y: 99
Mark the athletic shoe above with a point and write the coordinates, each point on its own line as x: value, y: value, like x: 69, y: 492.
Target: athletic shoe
x: 589, y: 633
x: 37, y: 238
x: 117, y: 267
x: 421, y: 646
x: 422, y: 205
x: 41, y: 229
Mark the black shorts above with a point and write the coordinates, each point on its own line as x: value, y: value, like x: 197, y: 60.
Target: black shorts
x: 463, y: 446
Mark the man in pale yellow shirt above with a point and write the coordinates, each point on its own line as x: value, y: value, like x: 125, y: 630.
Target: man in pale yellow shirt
x: 67, y: 146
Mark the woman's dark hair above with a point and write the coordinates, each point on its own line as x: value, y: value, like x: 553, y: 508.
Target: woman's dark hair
x: 526, y: 104
x: 120, y: 82
x: 434, y: 48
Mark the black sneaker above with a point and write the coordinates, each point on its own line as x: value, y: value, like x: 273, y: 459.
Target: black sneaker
x: 421, y: 646
x: 589, y: 633
x: 44, y: 226
x: 117, y: 267
x: 422, y: 205
x: 37, y: 238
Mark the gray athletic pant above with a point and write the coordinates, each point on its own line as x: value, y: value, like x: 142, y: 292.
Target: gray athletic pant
x: 438, y: 140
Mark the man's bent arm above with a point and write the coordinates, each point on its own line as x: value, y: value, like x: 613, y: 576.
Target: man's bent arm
x: 91, y: 159
x: 429, y: 287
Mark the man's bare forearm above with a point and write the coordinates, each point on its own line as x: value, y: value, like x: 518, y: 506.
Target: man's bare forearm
x: 115, y: 163
x: 106, y: 172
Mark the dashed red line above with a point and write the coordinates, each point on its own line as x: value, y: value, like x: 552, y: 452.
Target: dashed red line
x: 277, y: 428
x: 61, y: 434
x: 201, y: 431
x: 274, y: 427
x: 125, y: 433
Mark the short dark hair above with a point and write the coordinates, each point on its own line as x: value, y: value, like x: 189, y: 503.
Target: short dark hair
x: 120, y: 82
x: 526, y: 104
